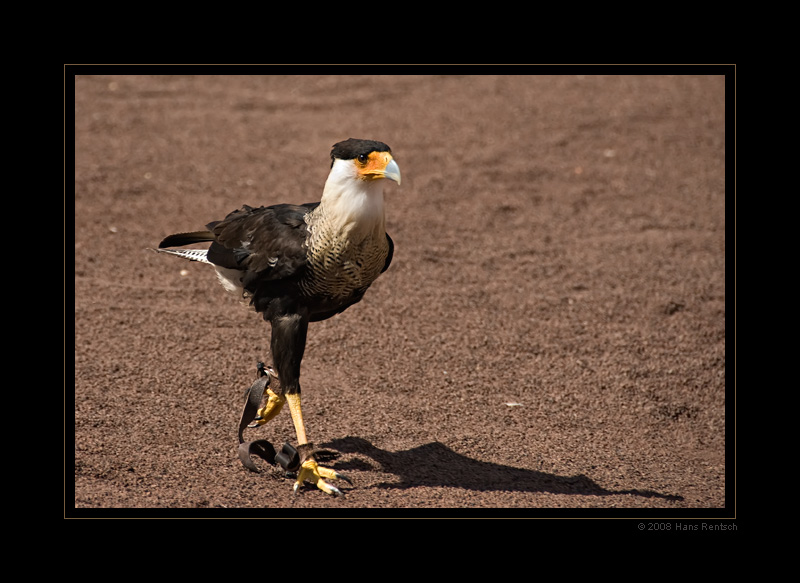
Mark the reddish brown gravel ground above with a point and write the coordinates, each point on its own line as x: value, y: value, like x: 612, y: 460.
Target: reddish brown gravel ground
x: 550, y: 335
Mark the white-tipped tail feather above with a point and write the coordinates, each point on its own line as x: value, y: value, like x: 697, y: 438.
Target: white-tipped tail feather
x: 190, y: 254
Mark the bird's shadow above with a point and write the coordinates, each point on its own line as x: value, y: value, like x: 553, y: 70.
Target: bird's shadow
x: 434, y: 464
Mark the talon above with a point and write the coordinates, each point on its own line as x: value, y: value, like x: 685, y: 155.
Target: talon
x: 310, y: 471
x: 270, y: 408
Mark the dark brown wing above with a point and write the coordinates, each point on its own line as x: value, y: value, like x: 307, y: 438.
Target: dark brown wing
x: 267, y: 243
x: 391, y: 253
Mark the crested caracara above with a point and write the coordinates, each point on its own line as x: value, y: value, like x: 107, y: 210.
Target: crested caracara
x: 303, y: 263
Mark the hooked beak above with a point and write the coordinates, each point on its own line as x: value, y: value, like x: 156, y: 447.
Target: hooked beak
x: 380, y: 165
x: 392, y: 171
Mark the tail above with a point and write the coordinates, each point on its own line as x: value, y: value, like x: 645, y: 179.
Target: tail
x: 181, y: 239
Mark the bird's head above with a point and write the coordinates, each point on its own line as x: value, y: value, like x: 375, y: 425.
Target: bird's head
x: 365, y: 160
x: 353, y: 195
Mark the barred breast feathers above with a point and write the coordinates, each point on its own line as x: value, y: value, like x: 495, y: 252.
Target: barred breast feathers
x: 346, y: 241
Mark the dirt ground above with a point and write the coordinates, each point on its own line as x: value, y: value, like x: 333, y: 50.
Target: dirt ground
x: 550, y: 335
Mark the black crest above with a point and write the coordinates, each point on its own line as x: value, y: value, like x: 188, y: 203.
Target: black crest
x: 353, y: 148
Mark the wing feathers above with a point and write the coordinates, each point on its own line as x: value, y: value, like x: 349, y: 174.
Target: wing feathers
x: 268, y: 241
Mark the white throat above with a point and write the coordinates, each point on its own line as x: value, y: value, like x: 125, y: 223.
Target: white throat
x: 354, y: 206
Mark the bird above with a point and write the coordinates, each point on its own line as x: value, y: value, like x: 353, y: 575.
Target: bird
x: 302, y: 263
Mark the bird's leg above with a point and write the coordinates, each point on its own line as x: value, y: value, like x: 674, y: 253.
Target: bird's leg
x: 251, y: 411
x: 288, y: 345
x: 274, y: 401
x: 270, y: 409
x: 309, y: 470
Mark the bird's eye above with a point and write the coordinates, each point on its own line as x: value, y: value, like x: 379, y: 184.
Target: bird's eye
x: 362, y: 158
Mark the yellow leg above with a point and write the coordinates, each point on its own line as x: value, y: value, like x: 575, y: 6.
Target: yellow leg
x: 271, y: 407
x: 309, y: 470
x: 297, y: 418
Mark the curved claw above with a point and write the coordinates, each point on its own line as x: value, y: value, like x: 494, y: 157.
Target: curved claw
x: 322, y: 485
x: 310, y: 471
x: 339, y: 476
